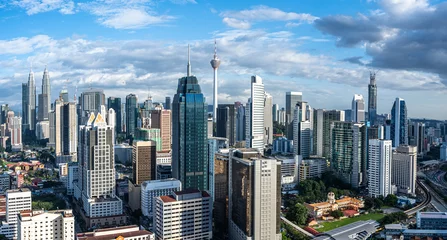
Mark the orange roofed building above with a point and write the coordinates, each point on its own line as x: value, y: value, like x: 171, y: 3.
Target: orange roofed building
x: 318, y: 210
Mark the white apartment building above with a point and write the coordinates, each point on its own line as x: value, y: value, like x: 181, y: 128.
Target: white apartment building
x: 55, y: 225
x: 183, y: 215
x: 254, y: 188
x: 404, y: 169
x: 254, y: 115
x: 312, y: 168
x: 156, y: 188
x: 131, y: 232
x: 17, y: 200
x: 358, y: 109
x: 379, y: 167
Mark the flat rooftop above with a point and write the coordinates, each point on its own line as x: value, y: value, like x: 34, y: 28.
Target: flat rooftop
x: 357, y: 230
x: 437, y: 215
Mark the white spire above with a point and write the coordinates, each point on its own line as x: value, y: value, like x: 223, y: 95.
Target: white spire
x: 188, y: 72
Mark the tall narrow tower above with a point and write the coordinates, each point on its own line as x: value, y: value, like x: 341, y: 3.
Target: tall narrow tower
x: 215, y: 63
x: 372, y: 99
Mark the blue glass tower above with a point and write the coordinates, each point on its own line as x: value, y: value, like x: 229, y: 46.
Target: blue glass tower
x: 189, y: 134
x: 399, y: 123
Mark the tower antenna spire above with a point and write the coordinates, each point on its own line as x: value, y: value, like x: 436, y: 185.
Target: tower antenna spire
x: 188, y: 72
x: 215, y: 63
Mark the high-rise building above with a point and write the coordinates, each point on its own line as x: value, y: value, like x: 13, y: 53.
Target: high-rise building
x: 15, y: 131
x: 169, y: 212
x: 240, y: 122
x: 254, y: 114
x: 220, y: 193
x: 44, y: 98
x: 115, y: 104
x: 275, y: 112
x: 57, y: 224
x: 215, y: 144
x: 43, y: 130
x: 318, y: 119
x: 29, y: 105
x: 131, y: 114
x: 268, y: 121
x: 358, y: 109
x: 156, y: 188
x: 144, y: 161
x: 282, y: 116
x: 330, y: 116
x: 4, y: 109
x: 372, y: 99
x: 312, y: 168
x: 226, y: 122
x: 162, y: 119
x: 404, y: 169
x: 90, y: 101
x: 63, y: 129
x: 254, y: 195
x: 347, y: 151
x: 189, y: 137
x: 215, y: 63
x: 17, y: 200
x: 168, y: 103
x: 292, y: 98
x: 399, y: 123
x: 379, y: 167
x: 149, y: 134
x: 96, y: 182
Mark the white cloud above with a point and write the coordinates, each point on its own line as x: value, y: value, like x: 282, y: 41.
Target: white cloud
x: 24, y: 45
x: 399, y: 7
x: 264, y: 13
x: 132, y: 19
x: 235, y: 23
x: 293, y: 24
x: 40, y: 6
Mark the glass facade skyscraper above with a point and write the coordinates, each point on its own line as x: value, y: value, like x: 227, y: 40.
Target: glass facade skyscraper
x: 189, y: 136
x: 372, y: 99
x: 399, y: 123
x: 115, y: 104
x: 131, y: 114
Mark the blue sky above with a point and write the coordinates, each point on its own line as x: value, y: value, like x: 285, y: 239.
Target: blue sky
x: 324, y: 48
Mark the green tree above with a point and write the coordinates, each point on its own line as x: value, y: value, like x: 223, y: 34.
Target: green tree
x: 298, y: 214
x: 393, y: 218
x: 378, y: 203
x: 369, y: 203
x: 337, y: 214
x: 391, y: 200
x: 3, y: 237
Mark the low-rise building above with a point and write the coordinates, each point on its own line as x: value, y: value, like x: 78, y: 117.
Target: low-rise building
x: 312, y: 168
x: 58, y: 224
x: 432, y: 220
x: 131, y: 232
x: 183, y: 215
x: 360, y: 230
x: 398, y: 231
x: 156, y: 188
x: 318, y: 210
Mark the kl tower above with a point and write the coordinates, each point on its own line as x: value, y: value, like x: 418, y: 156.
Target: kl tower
x: 215, y: 63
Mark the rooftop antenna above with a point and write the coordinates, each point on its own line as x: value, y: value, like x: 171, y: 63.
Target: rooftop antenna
x: 188, y: 72
x: 76, y: 92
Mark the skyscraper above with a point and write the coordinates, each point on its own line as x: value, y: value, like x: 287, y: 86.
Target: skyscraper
x: 347, y: 151
x: 358, y: 109
x: 131, y: 114
x: 268, y: 120
x: 29, y: 105
x: 330, y: 116
x: 226, y: 122
x: 96, y: 182
x: 44, y: 98
x: 302, y: 133
x: 115, y: 104
x: 189, y: 137
x: 168, y: 103
x: 144, y: 159
x: 372, y: 99
x: 379, y: 167
x: 63, y: 129
x: 292, y: 98
x: 90, y: 101
x: 215, y: 63
x: 240, y: 121
x: 399, y: 123
x: 254, y: 113
x: 318, y: 132
x: 254, y: 196
x: 162, y: 119
x: 275, y: 112
x: 404, y: 169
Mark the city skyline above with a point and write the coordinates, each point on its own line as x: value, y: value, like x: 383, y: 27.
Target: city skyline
x: 300, y: 48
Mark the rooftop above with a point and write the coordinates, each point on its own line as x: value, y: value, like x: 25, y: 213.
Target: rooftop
x: 438, y: 215
x: 357, y: 230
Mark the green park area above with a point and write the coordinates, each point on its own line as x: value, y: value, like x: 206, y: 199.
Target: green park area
x: 327, y: 226
x: 48, y: 202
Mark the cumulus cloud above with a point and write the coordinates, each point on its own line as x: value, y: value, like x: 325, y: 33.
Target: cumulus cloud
x: 263, y: 13
x: 40, y: 6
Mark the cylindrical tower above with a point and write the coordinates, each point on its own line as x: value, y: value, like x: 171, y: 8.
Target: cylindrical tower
x: 215, y: 63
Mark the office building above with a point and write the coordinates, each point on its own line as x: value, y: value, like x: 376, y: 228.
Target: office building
x: 17, y: 200
x: 4, y: 109
x: 240, y: 122
x: 64, y: 130
x: 289, y: 172
x: 156, y: 188
x: 379, y: 167
x: 317, y: 128
x: 372, y: 99
x: 282, y: 145
x: 348, y: 151
x: 443, y: 152
x: 169, y: 212
x: 302, y: 132
x: 168, y: 103
x: 275, y: 112
x: 215, y: 144
x: 401, y: 232
x: 164, y: 172
x: 44, y: 99
x: 161, y: 119
x: 149, y: 134
x: 254, y: 114
x: 90, y: 101
x: 226, y: 122
x: 5, y: 182
x: 190, y: 131
x: 330, y: 116
x: 312, y: 168
x: 143, y: 161
x: 404, y: 169
x: 220, y: 193
x: 43, y: 130
x: 431, y: 220
x: 15, y: 131
x: 29, y: 105
x: 268, y: 121
x: 358, y: 109
x: 95, y: 187
x: 292, y: 98
x: 131, y: 232
x: 57, y: 224
x: 254, y: 196
x: 131, y: 115
x: 399, y: 123
x: 115, y: 104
